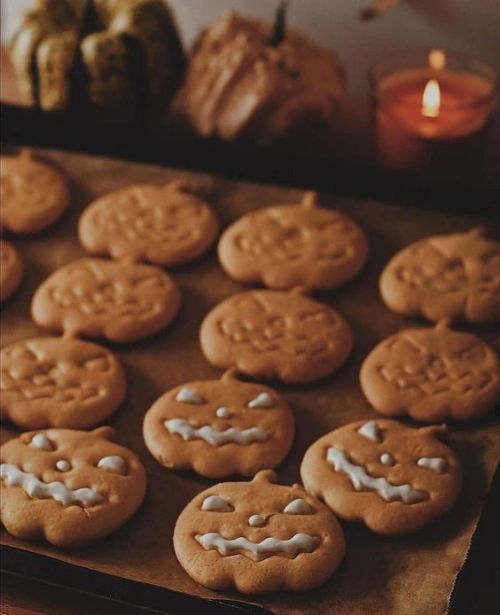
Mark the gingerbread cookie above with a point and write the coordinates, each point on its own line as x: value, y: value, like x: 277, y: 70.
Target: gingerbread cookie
x: 393, y: 478
x: 285, y: 246
x: 220, y: 427
x: 122, y: 302
x: 34, y: 194
x: 258, y: 537
x: 270, y: 334
x: 68, y: 487
x: 165, y: 225
x: 432, y: 375
x: 446, y: 276
x: 11, y: 270
x: 59, y: 382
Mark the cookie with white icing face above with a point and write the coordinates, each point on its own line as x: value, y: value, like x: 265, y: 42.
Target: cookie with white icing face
x: 285, y: 246
x: 393, y: 478
x: 11, y: 269
x: 165, y: 225
x: 258, y: 537
x: 270, y: 334
x: 220, y: 427
x: 59, y: 382
x: 34, y: 194
x: 446, y: 276
x: 68, y: 487
x: 432, y: 375
x: 122, y: 302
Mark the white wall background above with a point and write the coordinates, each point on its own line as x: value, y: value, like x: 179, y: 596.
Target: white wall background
x: 470, y: 26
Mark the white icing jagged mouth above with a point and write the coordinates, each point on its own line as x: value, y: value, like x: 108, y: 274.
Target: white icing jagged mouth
x: 299, y: 543
x: 214, y: 437
x: 362, y: 481
x: 37, y: 489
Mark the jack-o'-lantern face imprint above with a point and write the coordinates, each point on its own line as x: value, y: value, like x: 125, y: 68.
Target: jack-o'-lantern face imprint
x: 220, y: 427
x: 59, y: 382
x: 271, y: 334
x: 432, y: 374
x: 393, y: 478
x: 69, y: 487
x: 293, y: 245
x: 446, y: 276
x: 165, y: 225
x: 258, y: 537
x: 123, y: 302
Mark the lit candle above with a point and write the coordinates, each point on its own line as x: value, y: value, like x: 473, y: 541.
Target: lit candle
x: 431, y: 110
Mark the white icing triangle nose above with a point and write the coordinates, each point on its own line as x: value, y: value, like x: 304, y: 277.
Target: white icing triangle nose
x: 257, y: 520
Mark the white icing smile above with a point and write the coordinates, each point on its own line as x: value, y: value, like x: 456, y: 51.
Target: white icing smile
x: 299, y: 543
x: 37, y: 489
x: 214, y: 437
x: 362, y: 481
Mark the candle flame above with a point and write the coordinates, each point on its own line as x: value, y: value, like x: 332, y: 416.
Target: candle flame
x: 437, y: 59
x: 431, y: 99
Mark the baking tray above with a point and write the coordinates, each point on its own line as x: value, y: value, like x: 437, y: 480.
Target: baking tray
x: 412, y: 575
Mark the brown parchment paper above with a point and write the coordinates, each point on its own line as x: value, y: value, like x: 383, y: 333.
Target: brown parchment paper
x: 411, y: 575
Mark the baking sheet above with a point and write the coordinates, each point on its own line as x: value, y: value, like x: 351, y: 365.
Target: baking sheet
x: 411, y: 575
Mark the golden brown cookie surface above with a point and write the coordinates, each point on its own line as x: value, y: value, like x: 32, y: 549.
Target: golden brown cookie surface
x: 285, y: 246
x: 446, y: 276
x: 258, y: 537
x: 432, y: 375
x: 122, y: 302
x: 68, y: 487
x: 34, y: 194
x: 220, y: 427
x: 59, y: 382
x: 11, y: 269
x: 165, y: 225
x: 270, y: 334
x: 393, y: 478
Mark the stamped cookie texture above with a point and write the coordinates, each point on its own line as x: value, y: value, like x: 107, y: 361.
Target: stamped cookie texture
x: 285, y: 246
x: 59, y: 382
x: 258, y: 537
x: 34, y: 194
x: 122, y: 302
x: 220, y: 427
x: 446, y: 276
x: 272, y: 334
x: 165, y: 225
x: 394, y: 478
x: 11, y: 270
x: 68, y: 487
x: 432, y: 375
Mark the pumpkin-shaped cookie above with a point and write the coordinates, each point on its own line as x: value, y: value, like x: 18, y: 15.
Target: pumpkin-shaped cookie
x: 34, y: 194
x: 11, y: 270
x: 68, y: 487
x: 220, y: 427
x: 285, y: 246
x: 432, y: 375
x: 447, y: 276
x: 258, y: 537
x: 394, y: 478
x: 270, y: 334
x: 59, y: 382
x: 122, y: 302
x: 165, y: 225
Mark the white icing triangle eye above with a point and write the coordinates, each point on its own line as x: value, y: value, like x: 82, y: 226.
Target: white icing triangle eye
x: 438, y: 464
x: 263, y: 400
x: 63, y: 465
x: 41, y: 441
x: 371, y: 431
x: 114, y: 463
x: 217, y: 504
x: 189, y: 396
x: 298, y: 507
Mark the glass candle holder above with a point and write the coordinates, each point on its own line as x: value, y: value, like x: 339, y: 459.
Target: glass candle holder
x: 431, y: 110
